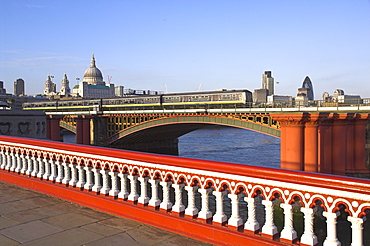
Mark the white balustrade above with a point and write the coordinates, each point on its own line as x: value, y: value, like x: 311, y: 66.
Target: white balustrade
x: 28, y: 161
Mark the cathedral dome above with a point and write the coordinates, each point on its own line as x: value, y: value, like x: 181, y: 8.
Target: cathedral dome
x: 93, y: 75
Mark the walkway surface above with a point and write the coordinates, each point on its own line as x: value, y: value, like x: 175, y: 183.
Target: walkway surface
x: 31, y: 218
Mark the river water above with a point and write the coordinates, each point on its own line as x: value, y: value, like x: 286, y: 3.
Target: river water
x: 233, y: 145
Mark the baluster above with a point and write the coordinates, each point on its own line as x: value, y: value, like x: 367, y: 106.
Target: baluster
x: 14, y: 161
x: 41, y: 167
x: 35, y: 169
x: 123, y: 194
x: 220, y: 217
x: 96, y: 187
x: 133, y: 195
x: 288, y: 233
x: 205, y: 213
x: 47, y: 169
x: 74, y: 177
x: 53, y: 170
x: 331, y: 232
x: 166, y: 204
x: 191, y: 210
x: 114, y: 191
x: 154, y: 201
x: 29, y: 165
x: 81, y: 177
x: 178, y: 207
x: 235, y: 220
x: 308, y: 237
x: 144, y: 199
x: 357, y: 230
x: 24, y: 164
x: 269, y: 229
x: 8, y: 160
x: 252, y: 224
x: 3, y: 159
x: 67, y: 174
x: 60, y: 177
x: 105, y: 189
x: 19, y: 164
x: 89, y: 179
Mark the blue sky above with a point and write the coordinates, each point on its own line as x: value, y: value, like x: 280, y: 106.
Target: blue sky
x: 187, y: 45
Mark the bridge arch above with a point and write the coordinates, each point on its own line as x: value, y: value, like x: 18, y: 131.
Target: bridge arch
x: 170, y: 128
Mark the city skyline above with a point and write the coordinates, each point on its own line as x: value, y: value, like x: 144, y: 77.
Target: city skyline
x: 188, y: 45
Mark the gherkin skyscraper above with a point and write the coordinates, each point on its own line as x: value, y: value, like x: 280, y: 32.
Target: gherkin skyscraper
x: 308, y: 85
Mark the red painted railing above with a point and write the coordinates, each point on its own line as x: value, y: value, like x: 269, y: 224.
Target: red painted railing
x: 216, y: 202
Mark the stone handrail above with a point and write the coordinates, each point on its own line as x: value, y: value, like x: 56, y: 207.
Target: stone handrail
x: 242, y: 201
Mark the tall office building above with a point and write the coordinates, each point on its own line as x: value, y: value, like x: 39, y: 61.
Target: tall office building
x: 19, y: 87
x: 65, y: 90
x: 307, y: 84
x: 268, y: 83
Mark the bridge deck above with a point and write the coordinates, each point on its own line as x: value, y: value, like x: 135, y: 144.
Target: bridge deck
x: 32, y: 218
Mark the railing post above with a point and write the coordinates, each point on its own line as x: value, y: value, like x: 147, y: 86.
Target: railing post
x: 178, y: 207
x: 154, y: 201
x: 81, y: 177
x: 288, y: 234
x: 123, y: 194
x: 19, y: 164
x: 29, y: 165
x: 331, y: 232
x: 308, y: 237
x: 47, y: 169
x: 74, y: 177
x: 3, y: 160
x: 53, y: 170
x: 220, y: 217
x: 251, y: 225
x: 67, y: 176
x: 191, y: 210
x: 357, y: 230
x: 60, y: 176
x: 7, y: 160
x: 24, y: 165
x: 105, y: 189
x: 96, y: 185
x: 41, y: 168
x: 205, y: 214
x: 35, y: 168
x: 166, y: 204
x: 89, y: 178
x: 143, y: 199
x: 114, y: 191
x: 235, y: 220
x: 269, y: 229
x: 133, y: 196
x: 14, y: 162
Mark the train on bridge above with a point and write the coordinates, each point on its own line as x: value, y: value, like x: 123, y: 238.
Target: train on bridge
x: 223, y: 98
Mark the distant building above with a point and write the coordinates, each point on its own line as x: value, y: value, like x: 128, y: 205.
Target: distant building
x: 119, y: 91
x: 307, y: 84
x: 340, y: 97
x: 50, y: 87
x: 19, y: 87
x: 2, y: 89
x: 268, y: 83
x: 92, y: 85
x: 65, y: 90
x: 278, y: 101
x: 260, y: 96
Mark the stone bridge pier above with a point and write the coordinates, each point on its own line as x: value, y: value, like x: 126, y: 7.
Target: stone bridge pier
x: 332, y: 143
